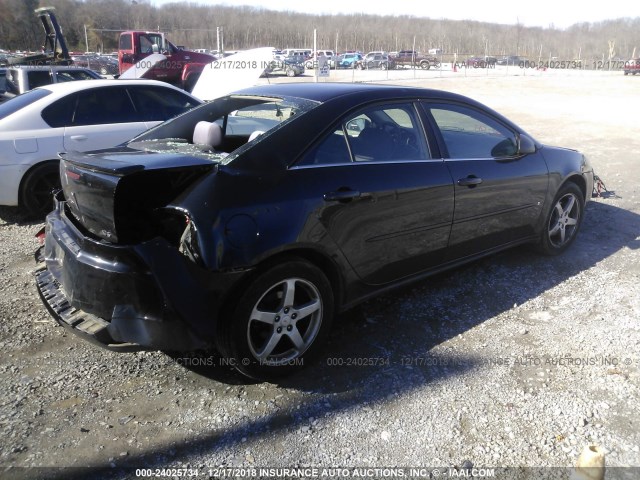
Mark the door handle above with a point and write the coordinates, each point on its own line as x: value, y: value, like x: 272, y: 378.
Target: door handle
x: 341, y: 196
x: 78, y: 138
x: 470, y: 181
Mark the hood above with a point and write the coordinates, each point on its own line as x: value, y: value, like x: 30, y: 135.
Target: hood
x: 231, y: 73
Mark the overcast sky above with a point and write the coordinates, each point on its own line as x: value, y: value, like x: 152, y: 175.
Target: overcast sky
x: 543, y: 13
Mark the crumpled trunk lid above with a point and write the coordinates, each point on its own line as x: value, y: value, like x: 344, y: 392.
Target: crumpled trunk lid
x: 114, y: 196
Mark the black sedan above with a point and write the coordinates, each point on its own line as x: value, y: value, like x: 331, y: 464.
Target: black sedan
x: 510, y: 60
x: 103, y: 64
x: 249, y: 222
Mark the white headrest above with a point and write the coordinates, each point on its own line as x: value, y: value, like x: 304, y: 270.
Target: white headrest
x: 255, y: 133
x: 207, y: 133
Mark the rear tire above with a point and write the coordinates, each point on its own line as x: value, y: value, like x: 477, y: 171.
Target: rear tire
x: 38, y: 186
x: 280, y: 321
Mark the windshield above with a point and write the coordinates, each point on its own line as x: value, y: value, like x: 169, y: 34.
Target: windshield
x: 16, y: 103
x: 224, y: 128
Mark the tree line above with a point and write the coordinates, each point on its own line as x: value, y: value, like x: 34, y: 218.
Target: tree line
x: 195, y: 26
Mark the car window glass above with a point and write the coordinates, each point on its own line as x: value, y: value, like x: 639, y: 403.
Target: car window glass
x: 17, y: 103
x: 38, y: 78
x: 104, y: 105
x: 158, y: 103
x: 333, y: 150
x: 125, y: 42
x: 380, y: 133
x: 386, y: 133
x: 69, y: 75
x: 268, y: 110
x: 60, y: 113
x: 471, y: 134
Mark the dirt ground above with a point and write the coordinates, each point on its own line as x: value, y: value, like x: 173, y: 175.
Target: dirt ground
x: 514, y: 361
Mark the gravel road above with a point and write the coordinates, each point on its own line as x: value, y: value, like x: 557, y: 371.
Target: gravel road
x: 517, y: 360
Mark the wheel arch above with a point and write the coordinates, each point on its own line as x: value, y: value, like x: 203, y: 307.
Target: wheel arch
x: 28, y: 173
x: 316, y: 258
x: 555, y: 185
x: 579, y: 181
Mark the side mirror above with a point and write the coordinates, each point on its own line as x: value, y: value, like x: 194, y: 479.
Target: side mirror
x: 526, y: 145
x: 154, y: 48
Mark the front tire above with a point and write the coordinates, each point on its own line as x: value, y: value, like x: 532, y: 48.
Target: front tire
x: 563, y: 220
x: 280, y: 321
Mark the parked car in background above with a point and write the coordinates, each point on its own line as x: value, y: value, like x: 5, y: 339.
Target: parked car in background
x: 290, y: 66
x: 632, y: 67
x: 378, y: 61
x: 83, y: 115
x: 22, y: 78
x: 302, y: 54
x: 411, y: 58
x: 335, y: 61
x: 312, y: 62
x: 3, y: 80
x: 252, y: 243
x: 105, y: 65
x: 510, y: 60
x: 349, y: 60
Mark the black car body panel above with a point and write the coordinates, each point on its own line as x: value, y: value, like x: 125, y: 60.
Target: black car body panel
x: 147, y: 293
x: 148, y: 239
x: 111, y: 197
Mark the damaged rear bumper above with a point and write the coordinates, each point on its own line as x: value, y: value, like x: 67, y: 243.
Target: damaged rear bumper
x: 129, y: 297
x: 92, y: 328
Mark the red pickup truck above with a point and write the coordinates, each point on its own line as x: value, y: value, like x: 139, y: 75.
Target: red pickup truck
x: 632, y: 66
x: 180, y: 68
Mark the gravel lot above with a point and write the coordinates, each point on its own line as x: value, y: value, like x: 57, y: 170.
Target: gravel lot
x: 517, y: 360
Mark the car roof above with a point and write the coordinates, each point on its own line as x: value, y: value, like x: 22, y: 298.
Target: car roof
x: 326, y: 91
x: 64, y: 88
x: 47, y: 67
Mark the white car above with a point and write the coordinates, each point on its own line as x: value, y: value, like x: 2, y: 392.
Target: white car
x: 83, y: 115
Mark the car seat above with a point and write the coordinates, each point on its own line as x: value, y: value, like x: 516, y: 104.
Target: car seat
x: 209, y: 134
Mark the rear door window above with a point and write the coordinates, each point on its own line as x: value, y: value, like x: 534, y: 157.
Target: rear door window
x: 380, y: 133
x: 103, y: 106
x: 60, y: 113
x: 158, y: 103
